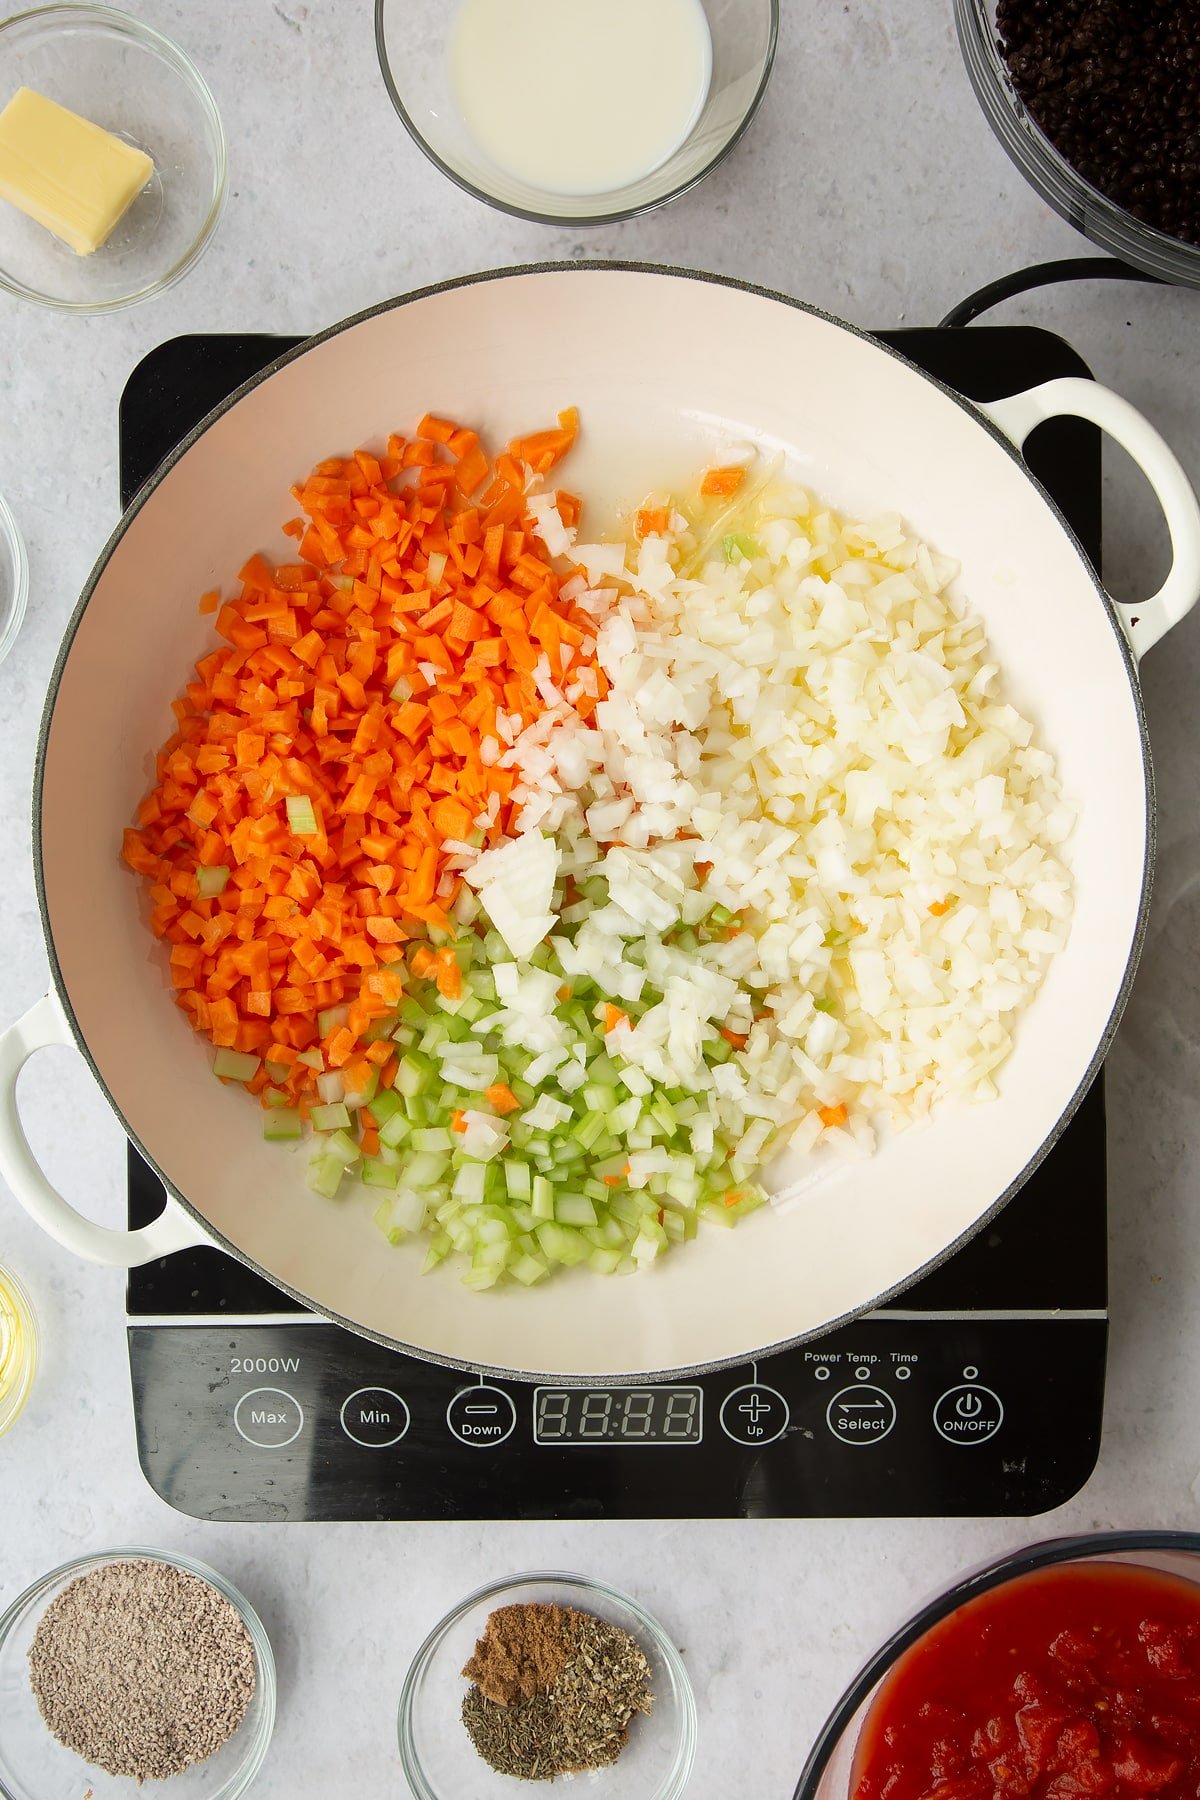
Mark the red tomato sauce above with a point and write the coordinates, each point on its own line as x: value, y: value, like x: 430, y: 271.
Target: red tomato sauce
x: 1075, y: 1681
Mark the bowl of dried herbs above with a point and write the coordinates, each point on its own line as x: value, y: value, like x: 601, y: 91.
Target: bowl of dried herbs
x: 546, y: 1675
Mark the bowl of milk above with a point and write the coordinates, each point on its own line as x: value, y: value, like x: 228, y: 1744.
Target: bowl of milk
x: 576, y: 111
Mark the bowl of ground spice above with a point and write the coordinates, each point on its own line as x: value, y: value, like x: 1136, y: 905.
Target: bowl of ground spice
x: 130, y: 1667
x: 546, y: 1676
x: 1098, y: 104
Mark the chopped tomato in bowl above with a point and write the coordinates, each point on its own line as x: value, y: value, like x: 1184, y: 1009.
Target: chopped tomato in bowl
x: 1066, y: 1671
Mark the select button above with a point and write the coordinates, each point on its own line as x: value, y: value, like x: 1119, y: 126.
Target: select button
x: 269, y: 1417
x: 375, y: 1417
x: 861, y: 1415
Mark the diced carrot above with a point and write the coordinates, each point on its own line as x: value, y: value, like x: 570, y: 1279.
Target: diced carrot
x: 652, y: 521
x: 833, y: 1115
x: 502, y: 1098
x: 613, y: 1016
x: 736, y: 1038
x: 938, y: 907
x: 722, y: 481
x: 458, y: 1120
x: 363, y: 677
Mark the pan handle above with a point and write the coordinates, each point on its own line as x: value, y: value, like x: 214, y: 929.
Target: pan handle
x: 1143, y: 622
x: 45, y: 1023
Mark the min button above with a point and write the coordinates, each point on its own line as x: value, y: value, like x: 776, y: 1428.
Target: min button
x: 269, y: 1418
x: 375, y: 1417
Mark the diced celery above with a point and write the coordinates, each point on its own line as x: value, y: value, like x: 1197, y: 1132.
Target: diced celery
x: 341, y: 1148
x: 325, y: 1176
x: 425, y: 1170
x: 302, y: 819
x: 377, y: 1173
x: 433, y: 1137
x: 331, y: 1118
x: 312, y: 1059
x: 413, y: 1074
x: 590, y: 1129
x: 469, y: 1183
x: 211, y: 879
x: 282, y: 1122
x: 331, y: 1018
x: 481, y: 1278
x: 561, y: 1244
x: 528, y: 1269
x: 604, y: 1262
x: 574, y: 1209
x: 395, y: 1130
x: 236, y: 1065
x: 275, y: 1097
x: 516, y: 1179
x: 385, y: 1105
x: 542, y: 1198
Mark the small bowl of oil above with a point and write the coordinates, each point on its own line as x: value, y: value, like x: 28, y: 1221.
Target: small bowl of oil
x: 18, y: 1347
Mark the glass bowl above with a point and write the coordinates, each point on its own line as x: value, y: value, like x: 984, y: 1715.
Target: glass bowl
x: 1082, y: 205
x: 14, y: 580
x: 826, y: 1775
x: 412, y: 38
x: 120, y: 74
x: 19, y: 1342
x: 437, y: 1755
x: 35, y: 1766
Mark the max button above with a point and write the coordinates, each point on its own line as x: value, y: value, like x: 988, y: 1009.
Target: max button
x: 481, y: 1417
x: 269, y: 1418
x: 969, y: 1414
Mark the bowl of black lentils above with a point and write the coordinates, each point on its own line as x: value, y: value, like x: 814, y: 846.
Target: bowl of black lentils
x: 1098, y: 104
x: 545, y: 1675
x: 128, y: 1667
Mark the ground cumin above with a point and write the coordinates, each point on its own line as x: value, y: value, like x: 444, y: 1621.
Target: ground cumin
x: 523, y: 1650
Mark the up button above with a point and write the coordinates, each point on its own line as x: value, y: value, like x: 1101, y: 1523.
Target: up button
x: 968, y: 1414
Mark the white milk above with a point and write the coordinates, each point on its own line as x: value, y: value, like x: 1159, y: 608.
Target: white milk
x: 580, y: 96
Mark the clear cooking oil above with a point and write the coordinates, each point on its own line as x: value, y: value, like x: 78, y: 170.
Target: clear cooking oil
x: 18, y: 1347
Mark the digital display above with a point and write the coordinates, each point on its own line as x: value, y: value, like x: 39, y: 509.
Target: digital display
x: 658, y: 1415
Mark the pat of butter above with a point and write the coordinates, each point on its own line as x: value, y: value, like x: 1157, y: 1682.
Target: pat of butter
x: 73, y: 177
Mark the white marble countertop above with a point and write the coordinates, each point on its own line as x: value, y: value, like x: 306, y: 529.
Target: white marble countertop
x: 872, y: 186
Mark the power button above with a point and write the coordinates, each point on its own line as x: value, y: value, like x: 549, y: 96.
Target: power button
x: 968, y: 1414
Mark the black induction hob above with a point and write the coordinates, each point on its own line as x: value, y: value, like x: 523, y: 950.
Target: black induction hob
x: 979, y: 1392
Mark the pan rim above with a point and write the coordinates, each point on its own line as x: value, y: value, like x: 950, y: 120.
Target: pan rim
x: 584, y: 268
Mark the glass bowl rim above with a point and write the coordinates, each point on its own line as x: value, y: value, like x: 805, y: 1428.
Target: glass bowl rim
x: 1047, y: 170
x: 11, y: 535
x: 168, y: 51
x: 677, y: 1777
x: 619, y: 214
x: 996, y: 1573
x: 259, y: 1742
